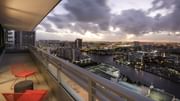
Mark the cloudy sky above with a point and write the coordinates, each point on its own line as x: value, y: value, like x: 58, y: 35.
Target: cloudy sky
x: 113, y: 20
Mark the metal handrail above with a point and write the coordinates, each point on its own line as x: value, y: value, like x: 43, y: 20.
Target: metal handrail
x: 111, y: 86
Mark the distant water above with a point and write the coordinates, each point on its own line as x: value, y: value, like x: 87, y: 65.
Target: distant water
x: 144, y: 77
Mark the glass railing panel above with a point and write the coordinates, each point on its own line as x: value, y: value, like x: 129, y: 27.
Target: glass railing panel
x: 53, y: 70
x: 105, y: 94
x: 79, y: 93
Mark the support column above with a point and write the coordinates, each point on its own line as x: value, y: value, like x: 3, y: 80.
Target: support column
x: 91, y: 91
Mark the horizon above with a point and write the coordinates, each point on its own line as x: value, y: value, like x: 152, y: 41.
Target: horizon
x: 114, y: 41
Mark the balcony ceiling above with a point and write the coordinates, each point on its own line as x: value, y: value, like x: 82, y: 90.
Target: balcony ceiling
x: 24, y: 15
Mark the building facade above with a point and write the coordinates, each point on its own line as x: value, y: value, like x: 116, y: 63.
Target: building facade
x: 24, y: 38
x: 78, y: 43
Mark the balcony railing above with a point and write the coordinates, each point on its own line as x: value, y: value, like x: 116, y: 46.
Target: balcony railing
x: 82, y: 84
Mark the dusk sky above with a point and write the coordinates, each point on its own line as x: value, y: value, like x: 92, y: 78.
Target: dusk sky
x: 113, y: 20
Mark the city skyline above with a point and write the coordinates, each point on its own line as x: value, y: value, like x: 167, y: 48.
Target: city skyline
x: 113, y: 20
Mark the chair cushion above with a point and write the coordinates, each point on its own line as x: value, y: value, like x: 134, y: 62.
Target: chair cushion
x: 22, y: 86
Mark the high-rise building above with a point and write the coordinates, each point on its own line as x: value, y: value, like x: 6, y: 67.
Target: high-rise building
x: 78, y: 43
x: 9, y: 39
x: 71, y: 54
x: 24, y: 38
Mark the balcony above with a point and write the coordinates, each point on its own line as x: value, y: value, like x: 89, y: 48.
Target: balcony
x: 64, y: 80
x: 7, y: 79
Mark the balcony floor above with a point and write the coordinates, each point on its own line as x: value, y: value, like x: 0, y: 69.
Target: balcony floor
x: 6, y: 78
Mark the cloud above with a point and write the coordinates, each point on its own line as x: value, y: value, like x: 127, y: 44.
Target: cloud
x: 169, y: 22
x: 84, y: 27
x: 89, y: 11
x: 60, y: 21
x: 47, y: 26
x: 162, y: 4
x: 40, y: 28
x: 139, y: 22
x: 133, y: 22
x: 68, y: 21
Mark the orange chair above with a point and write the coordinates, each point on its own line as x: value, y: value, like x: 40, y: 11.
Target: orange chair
x: 29, y: 95
x: 21, y: 71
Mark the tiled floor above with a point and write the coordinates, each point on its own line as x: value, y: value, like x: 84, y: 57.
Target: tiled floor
x: 6, y: 77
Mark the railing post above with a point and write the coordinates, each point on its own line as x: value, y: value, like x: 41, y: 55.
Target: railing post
x: 58, y: 75
x: 47, y: 61
x: 91, y: 92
